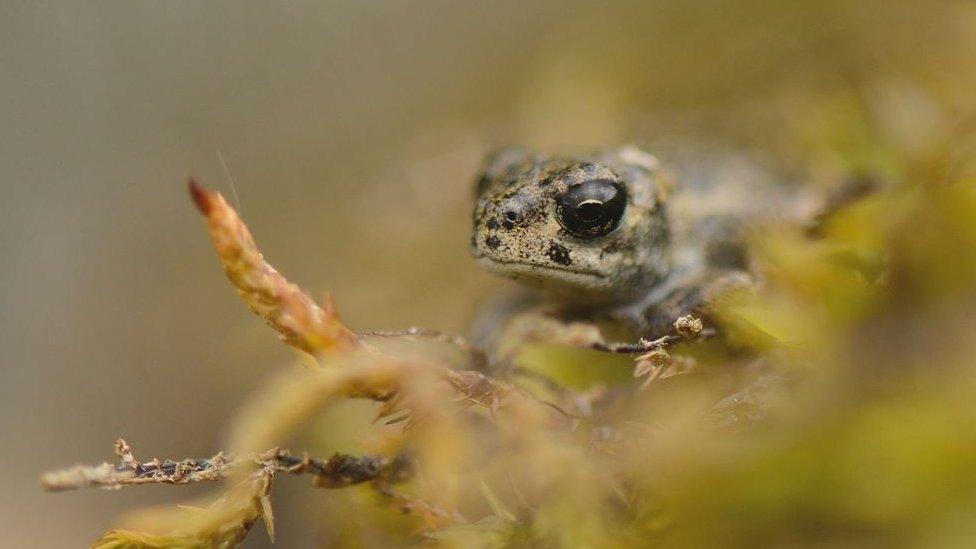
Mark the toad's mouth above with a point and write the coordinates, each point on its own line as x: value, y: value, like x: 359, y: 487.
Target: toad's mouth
x: 523, y: 268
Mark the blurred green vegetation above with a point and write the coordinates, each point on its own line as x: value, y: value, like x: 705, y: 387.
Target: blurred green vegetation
x: 347, y: 124
x: 869, y: 435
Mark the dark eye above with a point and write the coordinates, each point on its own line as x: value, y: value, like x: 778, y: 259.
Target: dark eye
x: 592, y: 208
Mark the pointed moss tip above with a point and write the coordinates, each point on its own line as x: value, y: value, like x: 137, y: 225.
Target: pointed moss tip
x: 202, y: 196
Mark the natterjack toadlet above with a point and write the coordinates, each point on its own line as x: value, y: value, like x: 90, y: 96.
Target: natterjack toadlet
x: 609, y: 234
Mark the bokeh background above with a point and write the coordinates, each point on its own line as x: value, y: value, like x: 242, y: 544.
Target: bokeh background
x: 352, y: 132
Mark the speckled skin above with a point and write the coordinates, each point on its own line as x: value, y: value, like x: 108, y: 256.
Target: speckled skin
x: 516, y: 232
x: 646, y: 272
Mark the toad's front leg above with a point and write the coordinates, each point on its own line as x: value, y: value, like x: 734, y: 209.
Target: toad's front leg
x: 698, y: 296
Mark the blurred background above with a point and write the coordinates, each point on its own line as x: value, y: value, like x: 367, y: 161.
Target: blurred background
x: 353, y: 131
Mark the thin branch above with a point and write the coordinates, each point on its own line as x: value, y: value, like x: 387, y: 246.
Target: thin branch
x: 642, y: 346
x: 338, y: 471
x: 686, y: 327
x: 479, y: 355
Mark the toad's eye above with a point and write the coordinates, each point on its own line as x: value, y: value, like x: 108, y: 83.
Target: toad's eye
x: 592, y: 208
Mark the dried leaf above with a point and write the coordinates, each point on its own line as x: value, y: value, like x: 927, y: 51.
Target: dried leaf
x: 688, y: 326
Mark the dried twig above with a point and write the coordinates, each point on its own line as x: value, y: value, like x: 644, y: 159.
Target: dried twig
x: 479, y: 355
x: 642, y: 346
x: 685, y: 327
x: 655, y: 360
x: 338, y: 471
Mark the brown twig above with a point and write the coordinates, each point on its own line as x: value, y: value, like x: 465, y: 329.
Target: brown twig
x: 479, y: 355
x: 684, y: 327
x: 338, y: 471
x: 642, y: 346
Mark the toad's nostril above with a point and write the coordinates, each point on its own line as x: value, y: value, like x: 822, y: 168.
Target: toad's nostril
x: 511, y: 218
